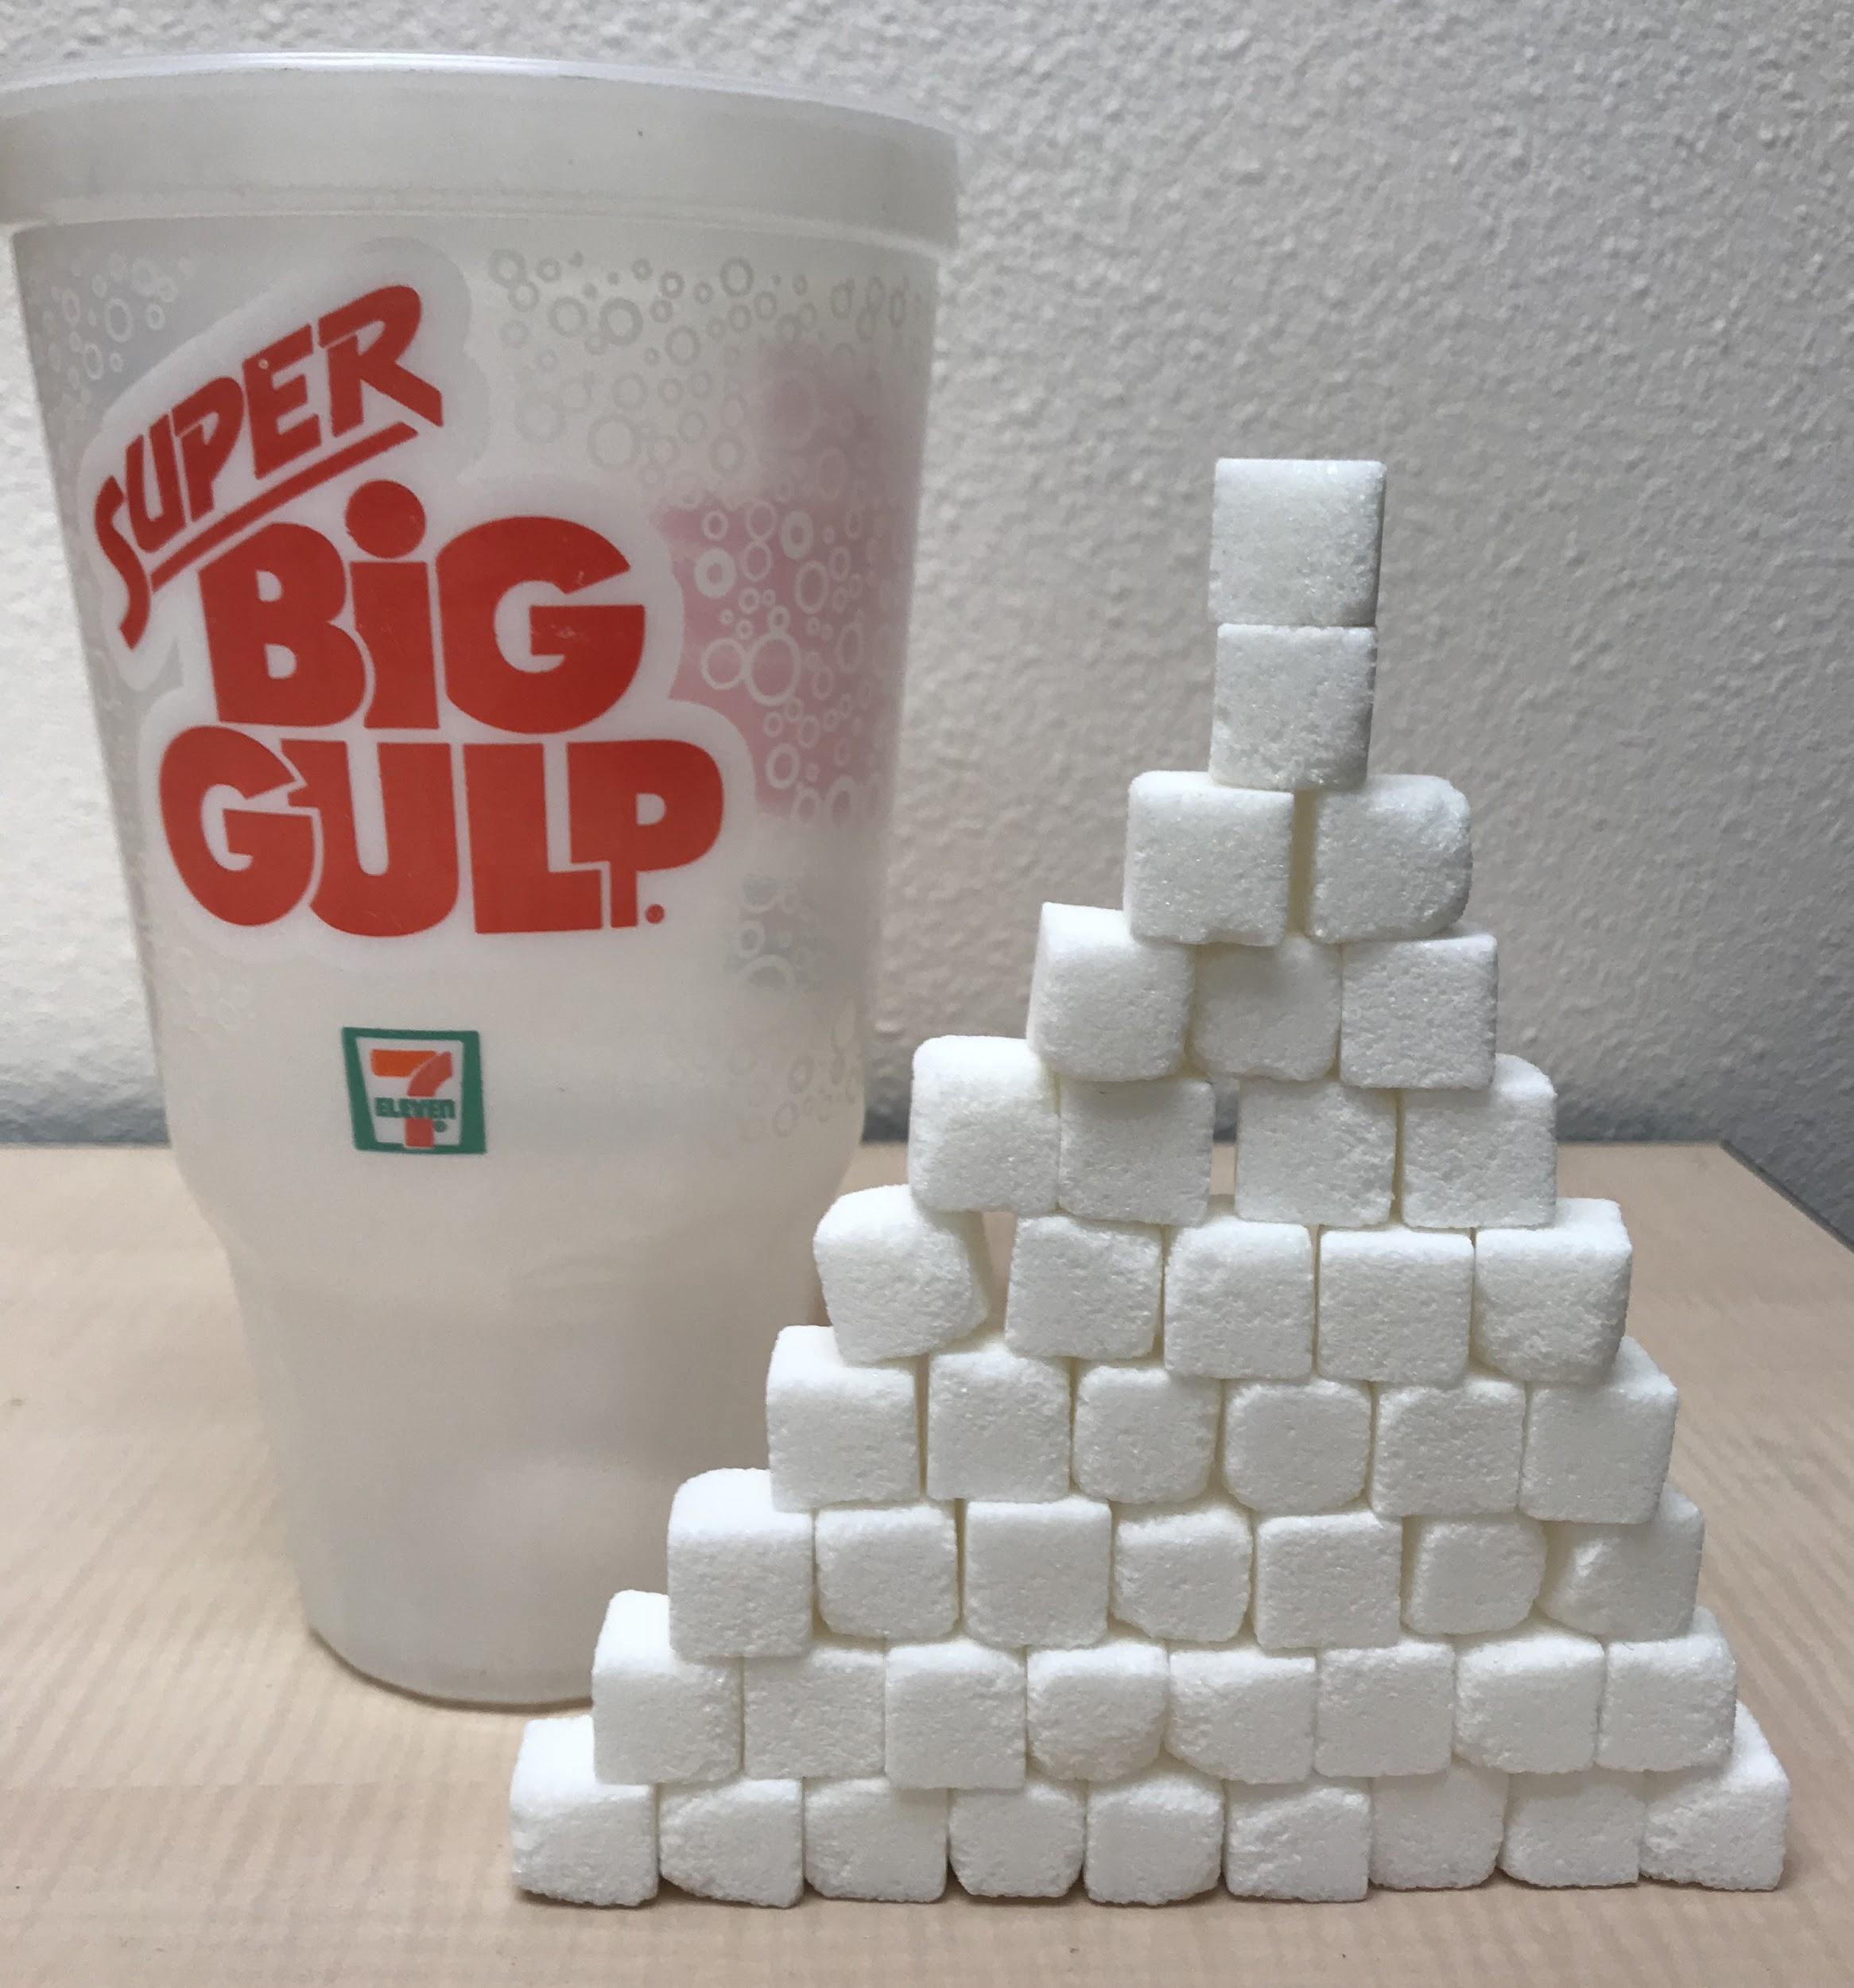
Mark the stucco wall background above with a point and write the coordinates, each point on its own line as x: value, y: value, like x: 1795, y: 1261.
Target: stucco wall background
x: 1583, y: 275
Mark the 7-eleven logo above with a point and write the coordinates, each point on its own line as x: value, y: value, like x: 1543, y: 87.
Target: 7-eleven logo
x: 414, y: 1090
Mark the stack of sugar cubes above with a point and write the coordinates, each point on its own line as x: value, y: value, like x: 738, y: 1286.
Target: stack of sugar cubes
x: 1315, y: 1541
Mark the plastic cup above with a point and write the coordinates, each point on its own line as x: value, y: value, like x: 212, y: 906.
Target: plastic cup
x: 489, y: 490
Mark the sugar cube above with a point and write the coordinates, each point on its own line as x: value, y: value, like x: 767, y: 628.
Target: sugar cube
x: 1600, y: 1454
x: 818, y: 1715
x: 997, y: 1424
x: 739, y: 1569
x: 1138, y: 1152
x: 1394, y: 1304
x: 1448, y: 1452
x: 1721, y: 1826
x: 1096, y: 1714
x: 1266, y: 1010
x: 1390, y: 1710
x: 1627, y: 1580
x: 1087, y: 1288
x: 1239, y: 1298
x: 1418, y: 1014
x: 1526, y: 1699
x: 838, y: 1434
x: 1321, y: 1152
x: 1206, y: 863
x: 867, y: 1839
x: 1296, y: 1446
x: 1327, y: 1579
x: 741, y: 1841
x: 888, y: 1570
x: 1311, y: 1841
x: 1390, y: 860
x: 1143, y: 1434
x: 1550, y: 1303
x: 1241, y: 1714
x: 660, y: 1717
x: 1668, y: 1704
x: 1292, y: 707
x: 1182, y: 1571
x: 572, y: 1835
x: 1152, y: 1838
x: 1435, y: 1832
x: 1019, y: 1843
x: 1295, y: 544
x: 1106, y: 1003
x: 899, y: 1278
x: 1573, y: 1829
x: 982, y: 1127
x: 1482, y: 1159
x: 954, y: 1714
x: 1037, y: 1573
x: 1464, y: 1576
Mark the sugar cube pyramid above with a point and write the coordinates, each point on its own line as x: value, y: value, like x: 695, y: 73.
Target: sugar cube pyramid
x: 1312, y: 1540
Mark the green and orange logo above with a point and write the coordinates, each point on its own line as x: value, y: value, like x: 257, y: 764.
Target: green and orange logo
x: 415, y: 1090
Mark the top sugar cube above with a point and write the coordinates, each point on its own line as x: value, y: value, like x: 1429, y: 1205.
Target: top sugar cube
x: 1294, y: 544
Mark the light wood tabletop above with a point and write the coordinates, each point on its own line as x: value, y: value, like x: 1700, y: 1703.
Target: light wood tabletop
x: 193, y: 1792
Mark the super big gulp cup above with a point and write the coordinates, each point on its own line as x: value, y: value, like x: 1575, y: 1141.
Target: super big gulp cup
x: 490, y: 489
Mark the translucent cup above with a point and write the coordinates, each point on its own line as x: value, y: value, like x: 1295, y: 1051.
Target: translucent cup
x: 489, y: 490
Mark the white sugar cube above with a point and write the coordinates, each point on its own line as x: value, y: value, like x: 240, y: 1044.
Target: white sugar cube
x: 1550, y: 1303
x: 1668, y: 1704
x: 1098, y: 1713
x: 1143, y: 1434
x: 1312, y: 1842
x: 1600, y: 1454
x: 1206, y: 863
x: 1239, y: 1298
x: 838, y: 1434
x: 899, y: 1278
x: 1722, y: 1826
x: 1315, y: 1153
x: 889, y: 1570
x: 1386, y: 1712
x: 1394, y: 1304
x: 1438, y: 1832
x: 1266, y: 1010
x: 1481, y: 1158
x: 1292, y: 707
x: 1037, y: 1573
x: 867, y: 1839
x: 1105, y: 1003
x: 954, y: 1714
x: 1390, y: 860
x: 1182, y: 1571
x: 1019, y: 1843
x: 983, y: 1126
x: 1627, y: 1580
x: 1089, y: 1289
x: 816, y: 1714
x: 1152, y: 1838
x: 739, y: 1569
x: 1448, y: 1452
x: 1326, y: 1579
x: 1573, y: 1829
x: 997, y: 1424
x: 740, y: 1841
x: 1296, y: 1446
x: 1138, y: 1152
x: 1295, y: 544
x: 572, y: 1836
x: 1242, y: 1715
x: 1418, y: 1014
x: 660, y: 1717
x: 1465, y: 1577
x: 1526, y: 1700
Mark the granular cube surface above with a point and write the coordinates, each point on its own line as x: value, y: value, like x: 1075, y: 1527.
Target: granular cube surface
x: 899, y: 1278
x: 1296, y: 1446
x: 1143, y: 1434
x: 1106, y: 1003
x: 1465, y: 1577
x: 1627, y: 1580
x: 983, y: 1129
x: 1138, y: 1152
x: 1393, y: 1304
x: 1087, y: 1288
x: 1266, y: 1010
x: 1434, y: 1832
x: 1573, y: 1829
x: 1295, y: 544
x: 838, y: 1434
x: 1292, y: 707
x: 1097, y: 1715
x: 954, y: 1715
x: 1550, y: 1303
x: 1669, y: 1704
x: 1312, y: 1842
x: 867, y: 1839
x: 997, y: 1424
x: 574, y: 1837
x: 1206, y: 863
x: 1722, y: 1826
x: 818, y: 1715
x: 1241, y: 1714
x: 1037, y: 1574
x: 1447, y: 1451
x: 1526, y: 1700
x: 1600, y: 1454
x: 1152, y: 1838
x: 888, y: 1570
x: 739, y: 1569
x: 660, y: 1717
x: 1481, y: 1158
x: 1418, y: 1014
x: 1390, y: 860
x: 1327, y: 1579
x: 1019, y: 1843
x: 1182, y: 1572
x: 1314, y: 1153
x: 1239, y: 1298
x: 741, y: 1841
x: 1386, y: 1712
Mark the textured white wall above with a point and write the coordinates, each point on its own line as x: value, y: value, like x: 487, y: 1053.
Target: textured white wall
x: 1582, y: 274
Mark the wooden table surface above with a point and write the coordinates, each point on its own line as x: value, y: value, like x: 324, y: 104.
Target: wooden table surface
x: 193, y: 1792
